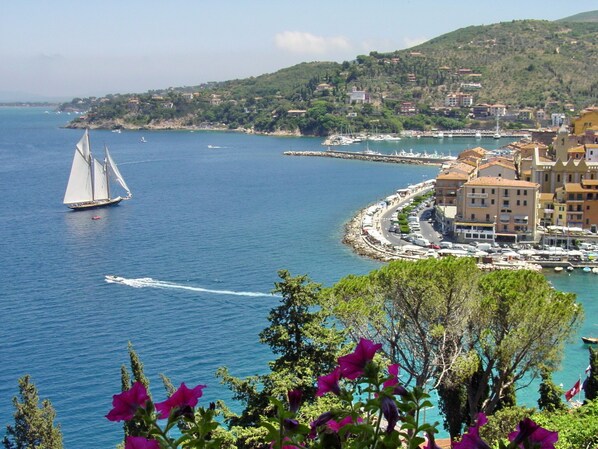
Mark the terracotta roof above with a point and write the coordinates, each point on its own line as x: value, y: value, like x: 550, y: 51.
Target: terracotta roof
x: 575, y: 187
x: 579, y: 149
x: 452, y: 175
x: 590, y: 182
x: 477, y: 150
x: 546, y: 196
x: 499, y: 163
x: 501, y: 182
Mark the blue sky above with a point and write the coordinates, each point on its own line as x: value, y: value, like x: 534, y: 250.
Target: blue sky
x: 69, y: 48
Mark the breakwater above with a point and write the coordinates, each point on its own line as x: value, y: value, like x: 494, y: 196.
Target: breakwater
x: 373, y: 157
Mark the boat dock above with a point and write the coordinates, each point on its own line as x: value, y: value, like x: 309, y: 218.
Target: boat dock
x: 375, y: 157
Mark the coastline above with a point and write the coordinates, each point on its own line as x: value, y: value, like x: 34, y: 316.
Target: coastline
x: 366, y: 244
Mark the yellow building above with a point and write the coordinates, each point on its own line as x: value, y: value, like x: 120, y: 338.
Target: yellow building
x: 588, y: 120
x: 492, y: 208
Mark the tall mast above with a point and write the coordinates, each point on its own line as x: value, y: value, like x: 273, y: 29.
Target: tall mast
x: 91, y: 168
x: 106, y: 170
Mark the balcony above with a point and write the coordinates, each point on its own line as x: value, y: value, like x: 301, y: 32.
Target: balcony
x: 477, y: 195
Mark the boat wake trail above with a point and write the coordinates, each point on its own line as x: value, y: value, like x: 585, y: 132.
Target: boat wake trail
x: 154, y: 283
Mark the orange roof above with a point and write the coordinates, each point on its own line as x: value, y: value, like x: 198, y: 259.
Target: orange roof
x: 477, y: 150
x: 546, y: 196
x: 501, y: 182
x: 499, y: 163
x: 575, y: 187
x: 579, y: 149
x: 452, y: 175
x: 590, y: 182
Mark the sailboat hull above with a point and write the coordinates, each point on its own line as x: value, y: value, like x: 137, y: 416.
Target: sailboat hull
x: 95, y: 204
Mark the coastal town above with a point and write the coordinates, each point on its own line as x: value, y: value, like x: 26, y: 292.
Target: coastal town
x: 531, y: 205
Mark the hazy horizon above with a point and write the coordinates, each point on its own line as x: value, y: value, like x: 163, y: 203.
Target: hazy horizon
x: 54, y: 51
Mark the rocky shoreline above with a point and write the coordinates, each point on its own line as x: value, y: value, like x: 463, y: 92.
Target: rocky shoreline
x: 171, y: 125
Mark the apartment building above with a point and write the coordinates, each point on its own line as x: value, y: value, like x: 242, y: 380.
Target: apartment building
x: 497, y: 209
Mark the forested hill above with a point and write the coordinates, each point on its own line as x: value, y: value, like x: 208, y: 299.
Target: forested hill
x: 523, y: 64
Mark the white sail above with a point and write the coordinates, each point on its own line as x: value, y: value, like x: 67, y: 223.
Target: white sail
x: 100, y: 181
x: 79, y: 188
x: 111, y: 166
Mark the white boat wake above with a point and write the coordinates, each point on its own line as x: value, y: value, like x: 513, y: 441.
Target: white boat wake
x: 154, y: 283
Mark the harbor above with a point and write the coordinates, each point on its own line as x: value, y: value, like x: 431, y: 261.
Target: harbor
x: 367, y: 233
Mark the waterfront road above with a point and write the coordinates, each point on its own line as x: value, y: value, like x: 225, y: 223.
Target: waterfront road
x: 427, y: 228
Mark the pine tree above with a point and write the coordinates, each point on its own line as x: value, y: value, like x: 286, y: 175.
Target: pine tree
x: 34, y: 425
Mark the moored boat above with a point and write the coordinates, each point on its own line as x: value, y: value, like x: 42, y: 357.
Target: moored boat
x: 590, y: 340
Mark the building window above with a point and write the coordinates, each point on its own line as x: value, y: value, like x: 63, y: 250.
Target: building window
x: 487, y: 217
x: 492, y: 191
x: 545, y: 177
x: 518, y: 203
x: 525, y: 193
x: 473, y: 216
x: 473, y: 190
x: 492, y: 201
x: 505, y: 227
x: 570, y: 178
x: 505, y: 203
x: 518, y: 192
x: 558, y: 178
x: 525, y: 202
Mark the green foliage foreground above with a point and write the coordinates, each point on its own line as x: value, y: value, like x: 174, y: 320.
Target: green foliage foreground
x: 449, y: 326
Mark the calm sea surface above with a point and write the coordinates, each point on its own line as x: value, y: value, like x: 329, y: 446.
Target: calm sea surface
x: 214, y: 216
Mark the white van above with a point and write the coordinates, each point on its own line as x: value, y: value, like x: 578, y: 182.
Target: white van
x: 446, y: 245
x: 484, y: 246
x: 421, y: 242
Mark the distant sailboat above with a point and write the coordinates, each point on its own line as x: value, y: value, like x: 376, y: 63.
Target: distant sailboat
x: 497, y: 132
x: 89, y: 183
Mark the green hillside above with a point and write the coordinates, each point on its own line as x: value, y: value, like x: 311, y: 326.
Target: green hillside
x: 522, y: 64
x: 590, y: 16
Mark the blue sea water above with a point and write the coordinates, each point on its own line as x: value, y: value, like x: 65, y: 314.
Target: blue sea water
x: 214, y: 216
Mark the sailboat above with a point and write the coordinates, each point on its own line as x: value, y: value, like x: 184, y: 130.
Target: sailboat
x: 89, y: 182
x: 497, y: 132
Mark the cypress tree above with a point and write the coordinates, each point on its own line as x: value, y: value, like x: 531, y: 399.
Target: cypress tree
x: 591, y: 384
x: 34, y: 425
x: 550, y: 394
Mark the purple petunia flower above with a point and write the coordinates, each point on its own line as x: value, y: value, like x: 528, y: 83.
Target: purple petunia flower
x: 329, y: 383
x: 140, y: 443
x: 390, y: 412
x: 184, y: 399
x: 472, y: 440
x: 125, y: 404
x: 529, y: 431
x: 319, y: 421
x: 353, y: 365
x: 294, y: 397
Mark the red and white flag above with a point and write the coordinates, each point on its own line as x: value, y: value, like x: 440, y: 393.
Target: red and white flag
x: 574, y: 391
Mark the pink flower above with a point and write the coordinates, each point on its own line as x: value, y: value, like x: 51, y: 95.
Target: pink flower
x: 140, y: 443
x: 472, y: 440
x: 393, y: 381
x: 329, y: 383
x: 183, y: 399
x: 353, y: 365
x: 529, y: 431
x: 335, y: 426
x: 126, y: 403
